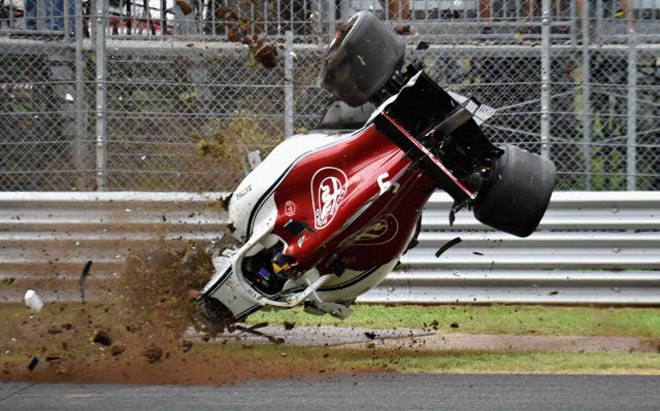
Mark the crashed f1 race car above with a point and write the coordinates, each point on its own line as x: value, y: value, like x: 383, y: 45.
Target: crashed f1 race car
x: 324, y: 218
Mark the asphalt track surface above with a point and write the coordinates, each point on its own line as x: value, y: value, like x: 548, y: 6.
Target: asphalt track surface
x: 365, y: 392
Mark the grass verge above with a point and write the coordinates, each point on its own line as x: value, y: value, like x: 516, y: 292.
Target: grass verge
x: 152, y: 350
x: 524, y: 363
x: 493, y: 319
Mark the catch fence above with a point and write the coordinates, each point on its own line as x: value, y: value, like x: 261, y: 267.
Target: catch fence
x: 172, y: 95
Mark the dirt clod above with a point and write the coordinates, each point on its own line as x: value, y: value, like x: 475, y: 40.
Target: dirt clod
x: 186, y: 345
x: 185, y: 7
x: 266, y: 54
x: 55, y: 329
x: 102, y: 336
x: 435, y: 324
x: 117, y: 349
x: 289, y: 325
x: 8, y: 281
x: 153, y: 353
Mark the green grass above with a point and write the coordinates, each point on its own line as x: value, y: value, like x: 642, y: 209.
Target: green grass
x: 31, y: 333
x: 529, y: 363
x: 410, y: 361
x: 343, y: 360
x: 494, y: 319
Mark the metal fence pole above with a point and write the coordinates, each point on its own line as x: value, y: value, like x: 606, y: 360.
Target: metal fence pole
x: 288, y: 84
x: 81, y: 112
x: 163, y: 18
x: 631, y: 149
x: 92, y: 21
x: 545, y: 79
x: 586, y: 96
x: 574, y: 22
x: 101, y: 132
x: 67, y: 15
x: 344, y: 11
x: 317, y: 13
x: 331, y: 16
x: 598, y: 20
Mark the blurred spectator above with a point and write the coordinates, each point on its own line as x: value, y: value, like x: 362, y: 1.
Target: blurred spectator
x: 59, y: 15
x: 484, y: 15
x: 396, y: 9
x: 31, y: 14
x: 620, y: 13
x: 54, y: 14
x: 533, y: 8
x: 11, y: 12
x: 530, y: 9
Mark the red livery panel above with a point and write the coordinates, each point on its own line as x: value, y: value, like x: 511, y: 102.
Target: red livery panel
x: 350, y: 205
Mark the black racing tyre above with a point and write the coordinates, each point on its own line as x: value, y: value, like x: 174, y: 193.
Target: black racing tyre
x: 362, y: 57
x: 340, y: 116
x: 516, y: 193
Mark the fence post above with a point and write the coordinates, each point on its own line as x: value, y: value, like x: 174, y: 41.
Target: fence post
x: 598, y: 20
x: 331, y: 16
x: 631, y: 149
x: 288, y: 84
x: 318, y: 16
x: 575, y: 22
x: 344, y: 12
x: 80, y: 104
x: 92, y: 21
x: 101, y: 131
x: 66, y: 15
x: 545, y: 79
x: 586, y: 95
x: 163, y: 18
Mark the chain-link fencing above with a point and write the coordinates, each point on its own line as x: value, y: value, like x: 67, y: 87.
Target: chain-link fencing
x: 173, y: 95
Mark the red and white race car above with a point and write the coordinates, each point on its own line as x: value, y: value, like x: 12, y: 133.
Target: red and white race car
x: 326, y: 217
